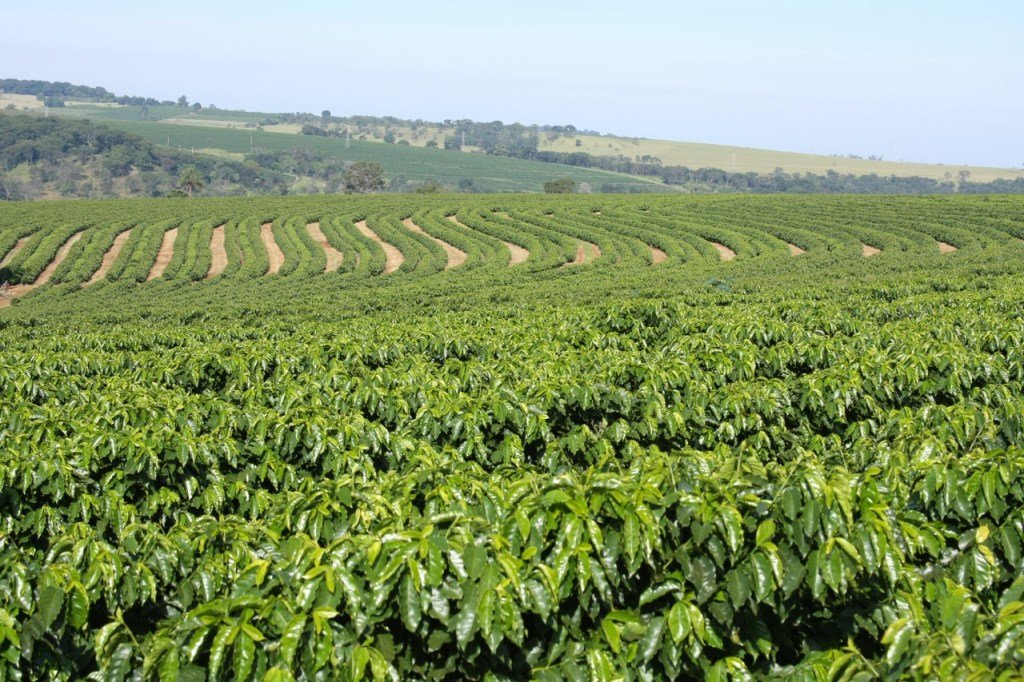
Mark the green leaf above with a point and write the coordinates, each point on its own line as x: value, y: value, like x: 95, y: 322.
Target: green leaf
x: 409, y: 603
x: 765, y: 531
x: 245, y: 654
x: 678, y: 621
x: 78, y: 606
x: 169, y: 665
x: 612, y: 633
x: 601, y: 667
x: 762, y: 570
x: 466, y: 620
x: 738, y: 585
x: 475, y: 560
x: 51, y: 599
x: 220, y: 644
x: 651, y: 641
x: 290, y: 639
x: 897, y: 636
x: 120, y: 663
x: 631, y: 534
x: 703, y: 576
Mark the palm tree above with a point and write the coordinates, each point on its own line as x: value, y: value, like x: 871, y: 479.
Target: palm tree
x: 190, y: 180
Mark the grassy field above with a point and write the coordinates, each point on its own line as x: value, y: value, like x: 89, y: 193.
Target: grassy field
x: 20, y: 102
x: 745, y: 159
x: 488, y: 173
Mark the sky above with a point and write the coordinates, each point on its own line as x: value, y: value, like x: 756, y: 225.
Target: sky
x: 917, y: 80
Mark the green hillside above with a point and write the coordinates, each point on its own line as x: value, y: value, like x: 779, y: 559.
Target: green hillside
x: 730, y: 158
x: 488, y: 173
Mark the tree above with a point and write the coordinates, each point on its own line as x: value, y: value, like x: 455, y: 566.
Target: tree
x: 431, y: 144
x: 183, y: 101
x: 430, y: 187
x: 560, y: 186
x: 190, y: 180
x: 364, y: 177
x: 389, y: 137
x: 325, y: 114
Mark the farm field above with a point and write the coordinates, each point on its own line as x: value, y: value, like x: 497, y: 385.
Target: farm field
x: 746, y: 159
x: 671, y: 152
x: 488, y: 173
x: 502, y: 437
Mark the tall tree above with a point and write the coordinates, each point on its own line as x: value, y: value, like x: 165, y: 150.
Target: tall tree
x: 190, y: 180
x: 364, y: 177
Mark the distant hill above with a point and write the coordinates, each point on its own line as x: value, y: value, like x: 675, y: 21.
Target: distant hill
x: 53, y: 157
x: 550, y: 138
x: 495, y: 156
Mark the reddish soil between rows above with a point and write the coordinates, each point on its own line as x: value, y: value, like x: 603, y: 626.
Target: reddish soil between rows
x: 393, y: 258
x: 334, y: 257
x: 164, y: 255
x: 456, y: 257
x: 110, y: 256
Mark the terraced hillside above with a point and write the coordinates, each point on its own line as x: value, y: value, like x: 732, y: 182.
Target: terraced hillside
x: 512, y: 437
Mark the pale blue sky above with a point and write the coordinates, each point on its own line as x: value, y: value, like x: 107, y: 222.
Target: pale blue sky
x: 918, y: 80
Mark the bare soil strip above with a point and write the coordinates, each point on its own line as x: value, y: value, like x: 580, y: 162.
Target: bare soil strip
x: 18, y: 246
x: 110, y: 256
x: 456, y: 257
x: 274, y: 253
x: 946, y: 248
x: 867, y: 251
x: 219, y: 256
x: 393, y: 258
x: 164, y: 255
x: 724, y: 252
x: 658, y: 256
x: 334, y: 257
x: 44, y: 276
x: 519, y: 254
x: 795, y: 250
x: 586, y: 252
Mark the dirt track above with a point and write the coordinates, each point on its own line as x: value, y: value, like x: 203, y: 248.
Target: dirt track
x: 274, y: 253
x: 393, y: 258
x: 164, y: 255
x: 334, y: 257
x: 18, y: 246
x: 456, y: 257
x: 867, y: 251
x: 946, y: 248
x: 110, y: 256
x: 724, y: 252
x: 795, y: 250
x: 219, y: 256
x: 586, y: 252
x: 658, y: 256
x: 44, y: 276
x: 519, y: 254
